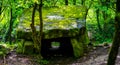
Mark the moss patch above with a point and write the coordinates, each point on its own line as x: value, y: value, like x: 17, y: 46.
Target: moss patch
x: 77, y: 48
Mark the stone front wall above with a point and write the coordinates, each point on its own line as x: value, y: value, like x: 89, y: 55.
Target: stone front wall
x: 78, y: 38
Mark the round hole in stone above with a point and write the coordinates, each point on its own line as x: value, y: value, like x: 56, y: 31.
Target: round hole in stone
x: 55, y: 44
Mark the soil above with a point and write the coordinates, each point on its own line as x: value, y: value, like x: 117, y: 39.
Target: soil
x: 97, y: 56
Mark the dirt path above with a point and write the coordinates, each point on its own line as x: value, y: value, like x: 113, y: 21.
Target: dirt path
x: 16, y: 59
x: 97, y: 56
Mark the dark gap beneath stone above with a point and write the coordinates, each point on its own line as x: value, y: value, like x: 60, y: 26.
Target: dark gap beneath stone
x: 65, y: 49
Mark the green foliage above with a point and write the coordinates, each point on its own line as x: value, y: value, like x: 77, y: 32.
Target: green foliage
x: 3, y: 50
x: 106, y: 19
x: 20, y: 47
x: 5, y: 16
x: 104, y: 36
x: 79, y: 11
x: 6, y: 48
x: 55, y: 44
x: 48, y: 3
x: 25, y: 47
x: 42, y: 62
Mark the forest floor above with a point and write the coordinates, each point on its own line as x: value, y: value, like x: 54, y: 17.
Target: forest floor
x: 97, y: 56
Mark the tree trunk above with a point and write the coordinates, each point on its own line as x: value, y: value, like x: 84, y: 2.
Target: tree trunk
x: 37, y: 39
x: 8, y: 34
x: 0, y: 10
x: 66, y: 2
x: 41, y: 24
x: 83, y: 2
x: 105, y: 16
x: 10, y: 28
x: 105, y: 3
x: 74, y: 2
x: 97, y: 15
x: 116, y: 42
x: 13, y: 16
x: 34, y: 34
x: 86, y: 13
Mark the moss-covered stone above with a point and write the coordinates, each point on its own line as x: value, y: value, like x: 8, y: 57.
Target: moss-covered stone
x: 78, y: 38
x: 59, y: 24
x: 28, y: 47
x: 80, y: 43
x: 77, y: 47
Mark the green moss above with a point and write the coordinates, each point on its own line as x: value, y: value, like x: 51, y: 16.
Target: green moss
x: 55, y: 33
x: 65, y: 12
x: 1, y: 53
x: 26, y: 48
x: 24, y: 35
x: 77, y: 47
x: 80, y: 42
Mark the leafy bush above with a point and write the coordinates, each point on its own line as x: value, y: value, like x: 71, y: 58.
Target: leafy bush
x: 43, y: 62
x: 105, y: 36
x: 20, y: 47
